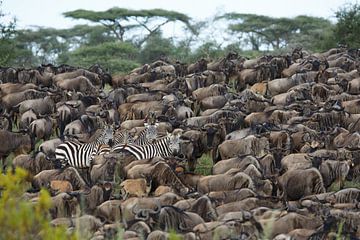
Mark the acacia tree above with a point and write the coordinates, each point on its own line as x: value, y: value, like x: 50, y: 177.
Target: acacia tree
x: 275, y: 33
x: 121, y: 20
x: 45, y: 43
x: 49, y: 45
x: 114, y: 56
x: 347, y: 29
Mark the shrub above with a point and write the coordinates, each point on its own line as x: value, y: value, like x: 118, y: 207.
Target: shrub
x: 20, y: 219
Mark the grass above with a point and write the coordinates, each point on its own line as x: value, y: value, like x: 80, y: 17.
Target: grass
x: 204, y: 164
x: 232, y: 86
x: 352, y: 184
x: 347, y: 184
x: 107, y: 88
x: 340, y: 229
x: 268, y: 228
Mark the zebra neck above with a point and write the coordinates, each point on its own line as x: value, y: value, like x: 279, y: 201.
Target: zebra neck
x: 99, y: 141
x: 164, y: 146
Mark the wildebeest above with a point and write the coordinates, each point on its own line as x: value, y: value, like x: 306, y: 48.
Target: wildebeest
x: 295, y: 184
x: 13, y: 143
x: 281, y: 130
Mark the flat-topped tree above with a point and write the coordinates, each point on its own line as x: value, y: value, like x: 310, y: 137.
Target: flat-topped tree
x: 121, y: 20
x: 259, y: 30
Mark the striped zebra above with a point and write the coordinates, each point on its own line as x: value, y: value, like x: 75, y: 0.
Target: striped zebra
x: 145, y: 136
x: 161, y: 147
x: 122, y: 137
x: 80, y: 155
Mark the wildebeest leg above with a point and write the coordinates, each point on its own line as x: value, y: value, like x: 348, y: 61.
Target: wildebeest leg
x: 85, y: 175
x: 3, y: 163
x: 87, y: 178
x: 213, y: 154
x: 192, y: 164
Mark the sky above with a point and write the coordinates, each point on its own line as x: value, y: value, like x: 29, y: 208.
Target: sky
x: 48, y: 13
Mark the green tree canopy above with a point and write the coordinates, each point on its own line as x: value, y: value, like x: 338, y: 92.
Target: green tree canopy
x: 121, y: 20
x: 7, y: 33
x: 155, y: 48
x: 115, y: 56
x: 259, y: 30
x: 347, y: 29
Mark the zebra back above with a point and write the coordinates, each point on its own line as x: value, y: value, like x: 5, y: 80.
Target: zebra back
x: 161, y: 147
x: 80, y: 155
x: 103, y: 149
x: 123, y: 137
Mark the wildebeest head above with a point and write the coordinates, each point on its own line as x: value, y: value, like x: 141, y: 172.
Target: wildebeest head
x: 104, y: 171
x: 32, y: 94
x: 5, y: 123
x: 165, y: 217
x: 205, y: 208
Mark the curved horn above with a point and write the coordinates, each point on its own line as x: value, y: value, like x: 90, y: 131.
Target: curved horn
x: 53, y: 90
x: 182, y: 227
x: 156, y: 210
x: 135, y: 209
x: 42, y: 115
x: 142, y: 215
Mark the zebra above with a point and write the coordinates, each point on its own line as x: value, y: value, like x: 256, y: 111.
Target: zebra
x: 161, y: 147
x: 145, y: 136
x: 80, y: 155
x: 122, y: 137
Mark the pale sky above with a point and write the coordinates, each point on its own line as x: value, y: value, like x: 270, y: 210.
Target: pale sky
x: 48, y: 13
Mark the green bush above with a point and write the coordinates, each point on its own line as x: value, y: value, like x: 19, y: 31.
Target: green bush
x: 21, y: 219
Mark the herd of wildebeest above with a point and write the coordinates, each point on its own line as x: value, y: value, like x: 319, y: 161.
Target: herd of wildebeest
x: 281, y: 133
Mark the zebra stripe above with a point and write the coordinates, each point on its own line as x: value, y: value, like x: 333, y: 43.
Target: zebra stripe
x: 103, y: 149
x: 161, y: 147
x: 147, y: 135
x: 123, y: 137
x: 81, y: 155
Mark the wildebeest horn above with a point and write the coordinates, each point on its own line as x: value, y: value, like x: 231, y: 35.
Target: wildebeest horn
x: 143, y: 214
x: 42, y: 115
x: 183, y: 228
x: 74, y: 194
x: 6, y: 114
x: 53, y: 90
x: 157, y: 209
x: 135, y: 210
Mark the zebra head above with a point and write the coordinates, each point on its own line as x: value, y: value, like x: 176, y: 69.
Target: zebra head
x: 151, y: 131
x: 174, y: 142
x: 107, y: 135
